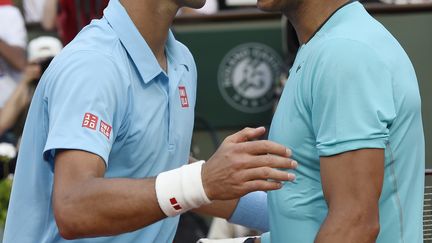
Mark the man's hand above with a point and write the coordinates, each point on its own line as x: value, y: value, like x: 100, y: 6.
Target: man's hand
x: 241, y: 165
x: 15, y: 56
x: 31, y: 72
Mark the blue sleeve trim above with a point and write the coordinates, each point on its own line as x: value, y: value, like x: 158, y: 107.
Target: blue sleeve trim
x: 265, y: 238
x: 252, y: 212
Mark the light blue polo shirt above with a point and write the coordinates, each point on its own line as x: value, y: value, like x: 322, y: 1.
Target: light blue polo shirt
x: 352, y: 86
x: 105, y: 93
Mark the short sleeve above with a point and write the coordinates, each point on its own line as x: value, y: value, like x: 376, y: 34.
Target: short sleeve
x: 13, y: 32
x: 352, y: 98
x: 86, y: 102
x: 265, y: 238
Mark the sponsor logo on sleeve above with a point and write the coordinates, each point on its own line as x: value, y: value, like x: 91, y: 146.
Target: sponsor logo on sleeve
x: 183, y: 97
x: 90, y: 121
x: 105, y: 129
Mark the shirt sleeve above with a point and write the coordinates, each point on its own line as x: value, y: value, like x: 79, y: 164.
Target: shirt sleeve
x: 265, y: 238
x: 86, y: 103
x: 352, y: 98
x: 14, y: 32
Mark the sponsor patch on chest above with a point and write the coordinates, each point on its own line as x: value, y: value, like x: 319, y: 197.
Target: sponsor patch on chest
x: 183, y: 97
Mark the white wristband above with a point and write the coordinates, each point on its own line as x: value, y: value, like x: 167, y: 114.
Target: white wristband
x: 181, y: 189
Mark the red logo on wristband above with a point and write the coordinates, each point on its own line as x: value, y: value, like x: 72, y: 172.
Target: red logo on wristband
x: 175, y: 204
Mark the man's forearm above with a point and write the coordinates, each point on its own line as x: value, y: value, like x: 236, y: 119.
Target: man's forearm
x: 50, y: 14
x: 354, y: 228
x: 103, y: 207
x: 14, y: 107
x: 13, y: 55
x: 219, y: 208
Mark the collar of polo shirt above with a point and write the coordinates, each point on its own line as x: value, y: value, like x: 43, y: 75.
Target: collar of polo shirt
x: 136, y: 46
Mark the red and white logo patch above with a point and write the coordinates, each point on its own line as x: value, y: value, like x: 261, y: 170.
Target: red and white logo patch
x: 175, y: 204
x: 105, y: 129
x: 90, y: 121
x: 183, y: 97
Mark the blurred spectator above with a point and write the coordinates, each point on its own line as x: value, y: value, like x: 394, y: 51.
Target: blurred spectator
x: 12, y: 49
x: 41, y: 51
x: 70, y: 16
x: 33, y: 11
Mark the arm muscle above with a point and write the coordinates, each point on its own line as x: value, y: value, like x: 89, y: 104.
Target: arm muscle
x: 352, y: 183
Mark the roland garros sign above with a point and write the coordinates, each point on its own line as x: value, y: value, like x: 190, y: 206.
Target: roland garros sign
x: 247, y: 75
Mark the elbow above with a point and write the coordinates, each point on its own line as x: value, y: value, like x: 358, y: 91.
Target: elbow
x: 361, y: 222
x: 370, y: 229
x: 66, y: 222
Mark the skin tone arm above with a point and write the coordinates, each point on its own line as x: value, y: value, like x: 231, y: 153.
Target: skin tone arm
x: 19, y: 99
x: 88, y: 205
x: 352, y: 184
x: 50, y: 15
x: 14, y: 55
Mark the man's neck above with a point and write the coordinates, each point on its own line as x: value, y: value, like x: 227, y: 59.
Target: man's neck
x: 309, y: 15
x: 153, y: 20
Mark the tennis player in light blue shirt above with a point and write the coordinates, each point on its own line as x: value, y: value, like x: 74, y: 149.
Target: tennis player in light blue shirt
x: 351, y: 89
x: 91, y: 99
x: 107, y: 139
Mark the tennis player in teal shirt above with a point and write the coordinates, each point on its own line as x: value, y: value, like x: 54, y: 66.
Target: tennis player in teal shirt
x: 351, y: 112
x: 105, y: 150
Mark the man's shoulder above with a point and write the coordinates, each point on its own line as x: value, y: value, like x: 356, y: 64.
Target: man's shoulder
x: 85, y: 69
x: 184, y: 50
x: 98, y: 37
x: 337, y: 49
x: 95, y: 47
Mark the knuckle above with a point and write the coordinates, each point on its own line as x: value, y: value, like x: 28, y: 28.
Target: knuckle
x: 267, y: 145
x: 270, y: 159
x: 253, y: 186
x: 266, y: 172
x: 247, y: 129
x: 237, y: 165
x: 240, y: 147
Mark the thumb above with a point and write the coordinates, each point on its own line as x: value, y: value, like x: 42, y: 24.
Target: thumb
x: 246, y: 134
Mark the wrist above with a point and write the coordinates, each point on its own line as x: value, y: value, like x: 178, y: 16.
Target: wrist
x: 181, y: 189
x: 205, y: 182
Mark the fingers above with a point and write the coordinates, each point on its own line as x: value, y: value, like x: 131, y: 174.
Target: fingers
x: 267, y: 173
x: 266, y: 147
x: 269, y: 160
x: 262, y: 185
x: 246, y: 134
